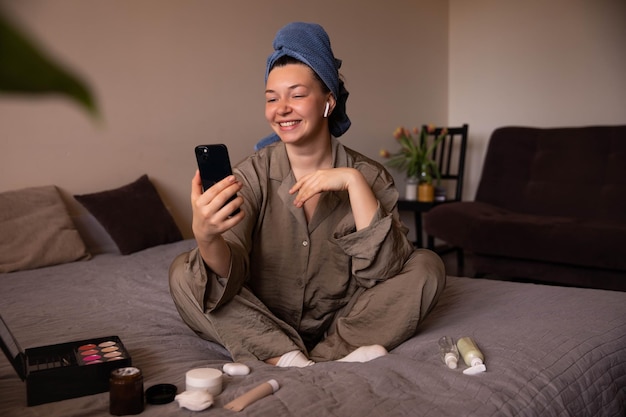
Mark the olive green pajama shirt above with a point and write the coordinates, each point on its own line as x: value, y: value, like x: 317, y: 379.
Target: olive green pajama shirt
x: 321, y: 287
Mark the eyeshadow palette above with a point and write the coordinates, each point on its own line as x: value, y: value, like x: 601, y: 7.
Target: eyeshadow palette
x: 107, y: 351
x: 65, y: 370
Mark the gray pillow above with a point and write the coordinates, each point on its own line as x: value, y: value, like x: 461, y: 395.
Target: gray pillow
x: 36, y: 230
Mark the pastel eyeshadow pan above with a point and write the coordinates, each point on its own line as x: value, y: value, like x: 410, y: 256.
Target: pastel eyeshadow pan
x: 110, y: 349
x: 91, y: 353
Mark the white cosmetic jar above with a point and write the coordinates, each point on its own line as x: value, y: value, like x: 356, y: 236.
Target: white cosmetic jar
x: 204, y: 379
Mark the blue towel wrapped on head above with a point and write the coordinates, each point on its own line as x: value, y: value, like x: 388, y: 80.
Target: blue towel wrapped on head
x: 309, y: 43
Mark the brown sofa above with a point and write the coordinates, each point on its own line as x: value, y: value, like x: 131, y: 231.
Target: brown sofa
x: 550, y: 207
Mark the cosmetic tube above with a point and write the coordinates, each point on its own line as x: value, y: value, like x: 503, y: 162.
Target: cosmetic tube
x: 255, y: 394
x: 472, y: 356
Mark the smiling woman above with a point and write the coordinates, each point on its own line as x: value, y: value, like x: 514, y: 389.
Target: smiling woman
x: 359, y: 288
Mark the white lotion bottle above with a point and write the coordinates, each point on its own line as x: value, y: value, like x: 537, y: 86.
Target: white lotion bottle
x: 472, y: 356
x: 449, y: 352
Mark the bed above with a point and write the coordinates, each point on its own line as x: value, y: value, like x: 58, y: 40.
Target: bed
x: 550, y: 351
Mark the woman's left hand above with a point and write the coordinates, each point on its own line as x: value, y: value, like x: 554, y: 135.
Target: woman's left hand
x: 334, y: 179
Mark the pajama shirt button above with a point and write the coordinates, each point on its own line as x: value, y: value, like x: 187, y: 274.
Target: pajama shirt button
x: 305, y: 243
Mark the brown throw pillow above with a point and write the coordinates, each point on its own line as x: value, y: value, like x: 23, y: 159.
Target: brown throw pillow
x: 36, y: 230
x: 134, y: 216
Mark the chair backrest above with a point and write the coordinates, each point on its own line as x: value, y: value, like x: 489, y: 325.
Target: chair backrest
x: 450, y: 155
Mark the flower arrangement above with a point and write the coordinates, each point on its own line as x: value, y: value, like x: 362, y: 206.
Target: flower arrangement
x: 415, y: 155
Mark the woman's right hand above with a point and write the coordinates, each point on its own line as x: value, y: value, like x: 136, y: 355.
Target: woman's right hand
x: 211, y: 212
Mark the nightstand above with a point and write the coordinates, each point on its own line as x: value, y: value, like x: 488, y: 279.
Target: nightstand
x: 417, y: 207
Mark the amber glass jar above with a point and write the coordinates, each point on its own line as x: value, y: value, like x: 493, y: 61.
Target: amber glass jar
x: 126, y: 391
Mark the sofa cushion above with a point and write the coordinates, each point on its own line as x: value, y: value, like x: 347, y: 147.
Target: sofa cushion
x: 576, y: 171
x: 556, y: 273
x: 487, y: 229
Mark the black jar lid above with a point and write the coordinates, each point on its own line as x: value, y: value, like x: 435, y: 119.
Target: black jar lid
x: 161, y: 394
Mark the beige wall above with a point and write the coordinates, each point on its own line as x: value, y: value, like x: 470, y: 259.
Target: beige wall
x: 535, y: 62
x: 173, y: 74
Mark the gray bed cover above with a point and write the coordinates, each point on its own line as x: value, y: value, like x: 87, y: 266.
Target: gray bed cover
x: 550, y: 351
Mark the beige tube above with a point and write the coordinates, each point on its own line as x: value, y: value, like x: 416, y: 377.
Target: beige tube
x: 472, y: 356
x: 255, y: 394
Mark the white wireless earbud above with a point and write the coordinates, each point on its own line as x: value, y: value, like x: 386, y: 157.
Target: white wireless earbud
x: 326, y: 109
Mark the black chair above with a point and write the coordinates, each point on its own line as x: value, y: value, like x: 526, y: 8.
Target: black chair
x: 450, y: 158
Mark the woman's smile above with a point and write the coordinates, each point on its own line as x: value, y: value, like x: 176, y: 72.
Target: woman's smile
x: 289, y: 124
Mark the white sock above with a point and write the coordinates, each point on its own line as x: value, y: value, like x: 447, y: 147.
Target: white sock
x: 364, y: 354
x: 294, y: 358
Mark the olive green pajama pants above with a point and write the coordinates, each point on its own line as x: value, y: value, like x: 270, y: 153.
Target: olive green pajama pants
x: 386, y: 314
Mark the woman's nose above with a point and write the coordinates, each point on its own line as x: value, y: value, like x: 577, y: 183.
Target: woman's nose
x: 284, y: 107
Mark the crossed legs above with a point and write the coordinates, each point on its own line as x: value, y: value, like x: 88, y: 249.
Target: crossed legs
x: 386, y: 315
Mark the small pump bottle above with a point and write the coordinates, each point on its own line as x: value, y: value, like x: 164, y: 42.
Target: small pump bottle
x: 472, y: 356
x: 449, y: 352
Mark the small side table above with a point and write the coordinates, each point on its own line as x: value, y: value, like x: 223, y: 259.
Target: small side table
x: 417, y: 207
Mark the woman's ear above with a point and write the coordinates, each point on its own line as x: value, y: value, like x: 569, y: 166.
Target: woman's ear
x: 330, y: 105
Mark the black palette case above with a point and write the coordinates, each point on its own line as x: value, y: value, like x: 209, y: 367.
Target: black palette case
x: 65, y: 370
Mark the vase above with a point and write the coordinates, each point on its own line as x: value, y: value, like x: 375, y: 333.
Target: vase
x: 425, y: 189
x: 425, y: 192
x: 410, y: 192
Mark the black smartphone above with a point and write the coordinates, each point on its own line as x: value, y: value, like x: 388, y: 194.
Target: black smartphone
x: 214, y: 166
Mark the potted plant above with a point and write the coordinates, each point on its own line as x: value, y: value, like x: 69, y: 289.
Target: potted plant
x: 416, y: 158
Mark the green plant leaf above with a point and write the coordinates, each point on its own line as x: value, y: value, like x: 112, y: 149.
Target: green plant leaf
x: 415, y: 156
x: 26, y: 69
